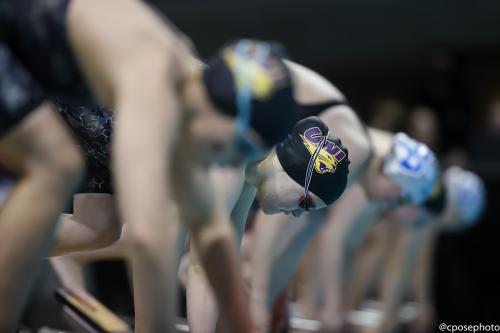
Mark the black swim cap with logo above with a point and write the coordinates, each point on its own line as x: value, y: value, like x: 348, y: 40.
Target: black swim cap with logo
x: 331, y: 167
x: 247, y: 79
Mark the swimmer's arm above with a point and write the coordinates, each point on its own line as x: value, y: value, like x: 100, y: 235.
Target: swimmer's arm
x: 215, y: 244
x: 347, y: 224
x: 136, y: 66
x: 279, y: 245
x: 265, y: 232
x: 396, y: 278
x: 228, y: 192
x: 425, y: 263
x: 289, y: 248
x: 143, y: 151
x: 398, y: 275
x: 241, y: 209
x: 329, y: 267
x: 148, y: 121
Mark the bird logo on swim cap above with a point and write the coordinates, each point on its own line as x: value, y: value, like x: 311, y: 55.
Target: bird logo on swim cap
x: 464, y: 192
x: 329, y: 156
x: 413, y: 166
x: 315, y: 159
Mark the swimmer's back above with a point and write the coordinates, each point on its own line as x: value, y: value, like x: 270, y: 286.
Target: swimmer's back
x: 35, y: 31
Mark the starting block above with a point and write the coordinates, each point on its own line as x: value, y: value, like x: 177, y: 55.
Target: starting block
x: 87, y: 318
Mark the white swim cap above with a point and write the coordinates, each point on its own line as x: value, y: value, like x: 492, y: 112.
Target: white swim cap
x: 466, y: 192
x: 413, y: 166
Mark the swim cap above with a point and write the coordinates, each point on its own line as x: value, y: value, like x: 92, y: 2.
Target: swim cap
x: 331, y: 167
x: 247, y: 79
x: 466, y: 192
x: 413, y: 166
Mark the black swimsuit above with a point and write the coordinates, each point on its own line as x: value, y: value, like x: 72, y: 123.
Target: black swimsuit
x: 92, y: 128
x: 309, y: 110
x: 36, y: 62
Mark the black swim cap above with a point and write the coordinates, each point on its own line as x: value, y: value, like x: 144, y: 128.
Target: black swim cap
x: 329, y: 177
x: 258, y: 68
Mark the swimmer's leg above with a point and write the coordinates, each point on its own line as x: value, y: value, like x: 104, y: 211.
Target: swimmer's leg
x: 69, y: 268
x: 93, y: 225
x: 40, y: 153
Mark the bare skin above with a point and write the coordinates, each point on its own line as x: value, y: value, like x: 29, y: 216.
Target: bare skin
x: 201, y: 306
x: 93, y: 225
x: 408, y: 270
x: 40, y: 153
x: 347, y: 208
x: 407, y: 259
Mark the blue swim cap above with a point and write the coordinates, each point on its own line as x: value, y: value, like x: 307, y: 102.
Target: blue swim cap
x: 413, y: 166
x: 465, y: 191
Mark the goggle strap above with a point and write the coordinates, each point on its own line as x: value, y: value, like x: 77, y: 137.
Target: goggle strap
x: 244, y: 75
x: 311, y: 164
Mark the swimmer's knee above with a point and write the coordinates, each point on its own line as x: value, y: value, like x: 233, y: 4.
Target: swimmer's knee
x: 41, y: 148
x: 108, y: 235
x: 146, y: 239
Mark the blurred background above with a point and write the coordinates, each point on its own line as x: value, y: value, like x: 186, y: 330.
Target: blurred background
x: 429, y: 67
